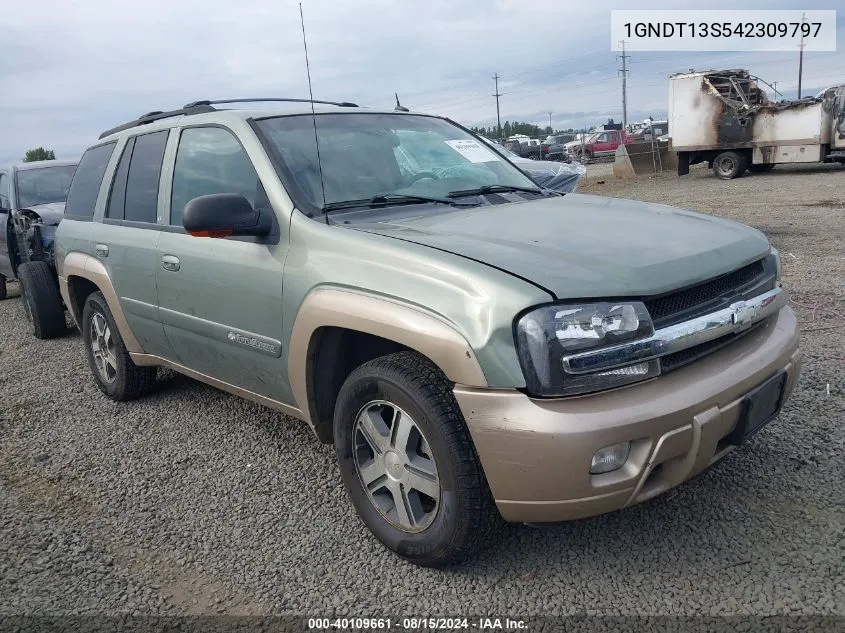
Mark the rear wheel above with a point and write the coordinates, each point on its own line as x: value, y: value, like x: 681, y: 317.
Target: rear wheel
x: 41, y: 300
x: 729, y: 165
x: 116, y: 375
x: 408, y: 462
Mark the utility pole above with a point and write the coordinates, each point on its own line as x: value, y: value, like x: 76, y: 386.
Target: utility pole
x: 801, y: 54
x: 497, y: 95
x: 624, y: 71
x: 775, y: 88
x: 551, y: 129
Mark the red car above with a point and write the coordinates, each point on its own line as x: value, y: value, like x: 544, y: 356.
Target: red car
x: 599, y: 144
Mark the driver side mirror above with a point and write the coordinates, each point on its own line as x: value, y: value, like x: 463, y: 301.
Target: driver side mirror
x: 224, y: 214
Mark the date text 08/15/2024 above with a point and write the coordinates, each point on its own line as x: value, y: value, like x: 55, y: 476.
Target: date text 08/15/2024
x: 415, y: 623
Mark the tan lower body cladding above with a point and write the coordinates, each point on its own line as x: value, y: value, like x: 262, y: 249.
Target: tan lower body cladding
x: 536, y: 453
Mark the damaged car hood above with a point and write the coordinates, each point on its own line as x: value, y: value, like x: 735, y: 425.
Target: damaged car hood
x: 584, y: 246
x: 50, y: 213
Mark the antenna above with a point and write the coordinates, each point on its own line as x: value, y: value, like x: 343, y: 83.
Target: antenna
x: 313, y: 114
x: 399, y: 107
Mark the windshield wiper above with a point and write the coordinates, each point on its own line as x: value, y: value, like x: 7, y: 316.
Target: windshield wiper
x: 492, y: 189
x: 393, y: 198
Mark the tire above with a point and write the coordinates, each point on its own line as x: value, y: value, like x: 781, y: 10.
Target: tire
x: 115, y: 373
x: 3, y: 290
x: 456, y: 516
x: 762, y: 168
x: 583, y: 157
x: 729, y: 165
x: 41, y: 300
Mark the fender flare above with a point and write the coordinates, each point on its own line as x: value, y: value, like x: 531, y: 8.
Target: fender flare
x: 85, y: 266
x: 407, y: 325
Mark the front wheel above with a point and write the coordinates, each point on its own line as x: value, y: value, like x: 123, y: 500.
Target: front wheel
x: 3, y: 290
x: 409, y: 464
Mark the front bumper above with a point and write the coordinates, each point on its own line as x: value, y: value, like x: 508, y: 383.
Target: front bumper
x: 536, y: 453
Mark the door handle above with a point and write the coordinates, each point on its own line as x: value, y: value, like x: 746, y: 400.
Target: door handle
x: 170, y: 262
x: 102, y: 250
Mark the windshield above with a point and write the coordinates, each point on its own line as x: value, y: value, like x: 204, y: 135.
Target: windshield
x: 43, y: 185
x: 368, y: 155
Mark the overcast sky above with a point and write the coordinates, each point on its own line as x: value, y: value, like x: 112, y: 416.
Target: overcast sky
x: 69, y: 70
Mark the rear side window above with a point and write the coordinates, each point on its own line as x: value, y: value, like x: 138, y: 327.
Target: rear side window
x: 117, y: 197
x: 82, y: 196
x: 143, y: 177
x: 210, y: 160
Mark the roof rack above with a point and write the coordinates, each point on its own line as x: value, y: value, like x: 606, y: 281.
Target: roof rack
x: 157, y: 115
x: 200, y: 107
x: 342, y: 104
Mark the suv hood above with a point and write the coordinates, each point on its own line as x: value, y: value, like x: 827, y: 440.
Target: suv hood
x: 581, y: 246
x: 50, y: 213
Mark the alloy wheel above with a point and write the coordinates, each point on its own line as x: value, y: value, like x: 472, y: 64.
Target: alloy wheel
x: 102, y: 348
x: 395, y: 465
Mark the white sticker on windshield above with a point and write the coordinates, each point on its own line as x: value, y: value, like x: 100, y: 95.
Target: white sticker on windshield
x: 473, y: 151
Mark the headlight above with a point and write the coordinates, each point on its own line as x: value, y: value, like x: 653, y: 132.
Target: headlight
x: 545, y: 335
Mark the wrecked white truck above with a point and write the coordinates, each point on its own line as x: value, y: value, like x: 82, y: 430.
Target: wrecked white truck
x: 725, y: 118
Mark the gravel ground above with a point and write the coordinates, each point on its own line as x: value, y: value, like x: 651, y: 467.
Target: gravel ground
x: 192, y: 501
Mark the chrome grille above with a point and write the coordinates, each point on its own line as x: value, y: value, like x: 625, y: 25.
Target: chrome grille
x: 702, y: 298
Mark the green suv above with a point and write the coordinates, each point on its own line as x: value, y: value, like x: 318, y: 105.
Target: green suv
x: 478, y: 349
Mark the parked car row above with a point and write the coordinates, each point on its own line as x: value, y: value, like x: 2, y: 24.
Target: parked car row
x: 523, y: 146
x: 477, y: 348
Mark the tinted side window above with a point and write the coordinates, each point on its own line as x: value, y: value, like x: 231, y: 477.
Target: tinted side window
x: 4, y: 192
x: 85, y: 186
x: 117, y: 197
x: 142, y: 180
x: 210, y: 160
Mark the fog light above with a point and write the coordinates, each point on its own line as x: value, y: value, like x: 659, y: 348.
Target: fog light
x: 610, y: 458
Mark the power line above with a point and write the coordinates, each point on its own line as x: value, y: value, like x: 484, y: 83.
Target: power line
x: 497, y: 95
x: 624, y: 71
x: 580, y: 70
x: 801, y: 54
x: 525, y: 92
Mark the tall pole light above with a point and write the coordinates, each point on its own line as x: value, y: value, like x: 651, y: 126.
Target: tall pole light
x: 497, y: 95
x: 624, y: 72
x: 801, y: 54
